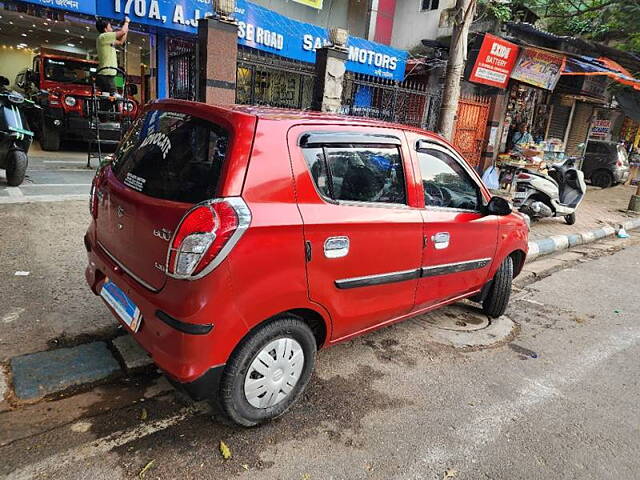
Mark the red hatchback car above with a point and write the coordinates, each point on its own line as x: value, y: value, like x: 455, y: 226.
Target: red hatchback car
x: 234, y: 242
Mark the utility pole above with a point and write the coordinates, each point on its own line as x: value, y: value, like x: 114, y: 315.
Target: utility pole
x: 464, y: 13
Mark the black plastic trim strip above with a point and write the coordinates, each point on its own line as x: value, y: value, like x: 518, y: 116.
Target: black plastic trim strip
x: 381, y: 279
x: 454, y: 267
x: 314, y: 139
x: 190, y: 328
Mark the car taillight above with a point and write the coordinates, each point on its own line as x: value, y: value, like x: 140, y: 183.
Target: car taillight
x: 619, y: 163
x: 523, y: 176
x: 205, y: 236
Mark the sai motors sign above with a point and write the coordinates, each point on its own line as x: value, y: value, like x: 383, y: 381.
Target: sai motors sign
x: 262, y: 29
x: 495, y: 61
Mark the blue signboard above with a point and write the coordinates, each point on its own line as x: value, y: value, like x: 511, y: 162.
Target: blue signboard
x: 262, y: 29
x: 76, y: 6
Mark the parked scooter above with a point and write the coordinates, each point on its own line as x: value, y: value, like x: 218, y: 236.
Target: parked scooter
x: 15, y: 137
x: 557, y: 194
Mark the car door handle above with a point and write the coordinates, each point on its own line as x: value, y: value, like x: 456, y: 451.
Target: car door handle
x: 440, y: 240
x: 336, y: 247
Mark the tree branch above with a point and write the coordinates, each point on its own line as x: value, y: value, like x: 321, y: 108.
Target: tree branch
x: 593, y: 8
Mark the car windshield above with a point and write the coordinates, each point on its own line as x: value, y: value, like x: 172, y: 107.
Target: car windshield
x: 68, y: 71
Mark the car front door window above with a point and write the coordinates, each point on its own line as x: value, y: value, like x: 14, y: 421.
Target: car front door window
x: 446, y: 183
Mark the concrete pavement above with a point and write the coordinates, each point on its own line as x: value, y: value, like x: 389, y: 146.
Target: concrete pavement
x: 558, y: 401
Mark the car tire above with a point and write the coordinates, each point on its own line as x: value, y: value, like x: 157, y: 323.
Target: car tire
x: 268, y: 372
x: 497, y: 299
x: 50, y: 139
x: 570, y: 219
x: 602, y: 178
x: 16, y: 167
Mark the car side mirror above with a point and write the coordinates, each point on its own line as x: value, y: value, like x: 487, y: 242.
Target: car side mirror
x: 498, y: 206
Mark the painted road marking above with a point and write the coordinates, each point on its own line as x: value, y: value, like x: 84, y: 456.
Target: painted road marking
x: 43, y: 198
x: 103, y: 445
x: 65, y: 161
x: 15, y: 192
x: 58, y: 185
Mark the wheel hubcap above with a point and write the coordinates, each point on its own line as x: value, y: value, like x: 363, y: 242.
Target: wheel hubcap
x: 274, y: 373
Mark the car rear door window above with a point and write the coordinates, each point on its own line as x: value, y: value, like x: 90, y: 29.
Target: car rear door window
x: 172, y: 156
x: 359, y: 173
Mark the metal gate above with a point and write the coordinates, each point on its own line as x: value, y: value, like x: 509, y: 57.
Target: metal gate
x: 271, y: 80
x: 182, y: 68
x: 471, y: 126
x: 405, y: 102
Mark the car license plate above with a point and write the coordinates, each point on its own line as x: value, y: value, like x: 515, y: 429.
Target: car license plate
x: 520, y: 195
x: 122, y: 304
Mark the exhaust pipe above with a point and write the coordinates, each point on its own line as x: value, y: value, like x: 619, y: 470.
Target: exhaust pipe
x: 541, y: 209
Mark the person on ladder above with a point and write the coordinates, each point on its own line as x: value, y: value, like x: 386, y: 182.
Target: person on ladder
x: 106, y: 44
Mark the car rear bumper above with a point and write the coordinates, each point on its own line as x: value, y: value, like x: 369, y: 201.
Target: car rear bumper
x: 621, y: 175
x: 188, y: 352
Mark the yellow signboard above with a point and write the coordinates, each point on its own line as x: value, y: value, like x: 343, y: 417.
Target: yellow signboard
x: 311, y: 3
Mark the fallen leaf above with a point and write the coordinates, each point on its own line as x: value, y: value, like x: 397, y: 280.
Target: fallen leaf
x: 450, y: 473
x: 306, y: 476
x: 225, y: 450
x: 146, y: 468
x: 144, y: 414
x: 245, y: 466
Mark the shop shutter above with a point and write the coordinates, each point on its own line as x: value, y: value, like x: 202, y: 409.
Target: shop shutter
x: 579, y: 128
x: 558, y: 123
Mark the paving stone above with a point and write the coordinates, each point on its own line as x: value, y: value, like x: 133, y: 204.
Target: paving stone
x: 132, y: 354
x: 38, y: 374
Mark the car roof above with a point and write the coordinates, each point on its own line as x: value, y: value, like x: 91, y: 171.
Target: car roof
x: 302, y: 116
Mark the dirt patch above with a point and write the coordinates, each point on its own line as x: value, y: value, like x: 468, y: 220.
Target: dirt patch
x: 334, y: 407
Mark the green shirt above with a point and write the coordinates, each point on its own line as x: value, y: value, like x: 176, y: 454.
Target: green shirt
x: 107, y: 56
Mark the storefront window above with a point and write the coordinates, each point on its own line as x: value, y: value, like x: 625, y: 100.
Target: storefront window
x: 28, y: 29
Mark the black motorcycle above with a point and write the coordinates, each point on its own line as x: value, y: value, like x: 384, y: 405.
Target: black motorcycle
x: 15, y: 136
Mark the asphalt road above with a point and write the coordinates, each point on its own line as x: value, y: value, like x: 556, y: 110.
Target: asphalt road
x: 559, y: 401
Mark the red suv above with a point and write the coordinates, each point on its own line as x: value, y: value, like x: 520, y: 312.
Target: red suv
x: 234, y: 242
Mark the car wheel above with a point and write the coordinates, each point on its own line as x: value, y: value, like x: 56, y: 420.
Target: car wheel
x: 50, y: 139
x: 268, y: 372
x: 16, y: 167
x: 570, y: 219
x: 602, y: 178
x: 498, y: 297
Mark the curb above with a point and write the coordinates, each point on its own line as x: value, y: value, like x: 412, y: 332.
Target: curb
x: 546, y: 246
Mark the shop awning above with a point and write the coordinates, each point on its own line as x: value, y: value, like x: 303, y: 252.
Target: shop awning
x: 583, y: 65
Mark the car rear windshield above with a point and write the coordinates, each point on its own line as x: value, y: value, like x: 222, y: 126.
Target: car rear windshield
x: 172, y: 156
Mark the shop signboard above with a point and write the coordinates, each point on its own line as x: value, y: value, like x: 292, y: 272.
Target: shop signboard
x: 77, y: 6
x: 262, y: 29
x: 539, y: 68
x: 600, y: 129
x: 311, y: 3
x: 495, y: 61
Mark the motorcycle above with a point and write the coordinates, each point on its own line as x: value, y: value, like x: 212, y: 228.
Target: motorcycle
x: 15, y: 137
x: 557, y: 194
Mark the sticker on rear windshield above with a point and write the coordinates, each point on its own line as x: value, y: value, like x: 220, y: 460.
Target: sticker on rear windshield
x: 134, y: 181
x: 160, y: 140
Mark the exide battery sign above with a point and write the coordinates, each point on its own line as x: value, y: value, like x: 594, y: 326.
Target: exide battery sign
x: 494, y: 63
